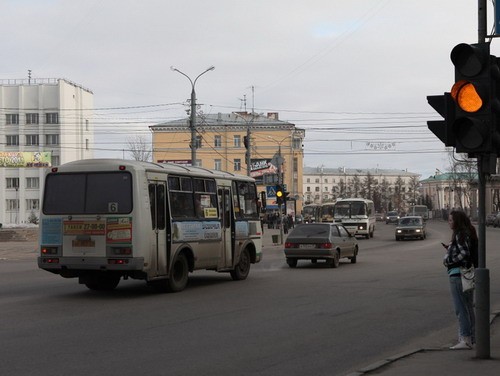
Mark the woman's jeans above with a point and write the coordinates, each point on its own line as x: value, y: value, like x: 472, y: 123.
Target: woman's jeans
x: 464, y: 308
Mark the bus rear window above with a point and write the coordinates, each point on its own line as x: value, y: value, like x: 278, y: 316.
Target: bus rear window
x: 88, y: 193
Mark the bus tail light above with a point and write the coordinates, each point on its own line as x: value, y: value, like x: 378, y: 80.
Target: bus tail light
x: 54, y: 260
x: 117, y: 261
x: 48, y: 251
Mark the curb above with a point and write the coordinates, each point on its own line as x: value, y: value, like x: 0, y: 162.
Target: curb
x: 385, y: 362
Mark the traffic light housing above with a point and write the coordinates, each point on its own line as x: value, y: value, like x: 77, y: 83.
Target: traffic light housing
x: 280, y: 195
x: 285, y: 197
x: 246, y: 142
x: 471, y: 111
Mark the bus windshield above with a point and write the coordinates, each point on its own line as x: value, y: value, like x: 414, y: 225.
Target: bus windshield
x: 88, y: 193
x: 348, y: 209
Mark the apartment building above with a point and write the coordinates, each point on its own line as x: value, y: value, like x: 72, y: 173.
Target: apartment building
x: 222, y: 144
x: 43, y: 123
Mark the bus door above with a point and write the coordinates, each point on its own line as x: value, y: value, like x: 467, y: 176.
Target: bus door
x: 225, y: 209
x: 161, y: 234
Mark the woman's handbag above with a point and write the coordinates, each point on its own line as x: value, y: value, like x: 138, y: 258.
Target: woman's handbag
x: 467, y: 275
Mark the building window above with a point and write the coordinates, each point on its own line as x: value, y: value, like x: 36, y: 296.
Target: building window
x: 12, y: 119
x: 237, y: 141
x: 32, y: 119
x: 12, y: 205
x: 316, y: 181
x: 218, y: 141
x: 297, y: 143
x: 326, y: 189
x: 32, y: 183
x: 308, y: 189
x: 86, y: 125
x: 316, y: 189
x: 13, y: 140
x: 198, y: 142
x: 54, y: 160
x: 52, y: 139
x: 326, y: 180
x: 32, y: 204
x: 12, y: 182
x: 308, y: 180
x: 295, y: 165
x: 52, y: 118
x: 198, y: 163
x: 86, y: 144
x: 32, y: 140
x: 237, y: 165
x: 218, y: 164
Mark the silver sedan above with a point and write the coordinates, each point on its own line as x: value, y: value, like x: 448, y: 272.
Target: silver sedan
x: 320, y: 241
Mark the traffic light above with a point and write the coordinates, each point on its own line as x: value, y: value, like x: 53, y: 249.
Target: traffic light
x: 471, y: 111
x: 285, y: 197
x: 475, y: 94
x: 279, y: 194
x: 263, y: 199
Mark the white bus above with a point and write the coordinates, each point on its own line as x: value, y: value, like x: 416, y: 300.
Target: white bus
x: 327, y: 212
x: 357, y: 215
x: 420, y: 210
x: 105, y: 219
x: 312, y: 213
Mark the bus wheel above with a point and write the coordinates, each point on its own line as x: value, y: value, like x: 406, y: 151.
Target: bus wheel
x: 241, y: 270
x: 178, y: 275
x: 102, y: 282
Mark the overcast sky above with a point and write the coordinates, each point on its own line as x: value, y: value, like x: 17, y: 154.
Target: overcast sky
x: 353, y: 73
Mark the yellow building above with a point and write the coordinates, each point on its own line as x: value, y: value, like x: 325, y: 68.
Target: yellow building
x: 275, y: 146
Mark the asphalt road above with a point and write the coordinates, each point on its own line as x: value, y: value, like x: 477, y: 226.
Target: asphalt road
x: 310, y: 320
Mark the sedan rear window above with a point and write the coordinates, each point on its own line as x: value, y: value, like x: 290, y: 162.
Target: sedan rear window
x: 311, y: 230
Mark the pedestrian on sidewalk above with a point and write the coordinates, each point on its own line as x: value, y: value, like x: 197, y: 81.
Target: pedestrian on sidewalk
x: 458, y: 253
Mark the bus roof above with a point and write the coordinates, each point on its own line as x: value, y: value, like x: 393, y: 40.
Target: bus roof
x: 104, y: 164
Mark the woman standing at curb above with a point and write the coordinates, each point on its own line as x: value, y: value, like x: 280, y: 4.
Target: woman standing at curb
x: 458, y: 254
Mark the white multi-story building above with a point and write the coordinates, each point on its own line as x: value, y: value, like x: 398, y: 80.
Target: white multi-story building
x: 43, y: 123
x: 389, y: 189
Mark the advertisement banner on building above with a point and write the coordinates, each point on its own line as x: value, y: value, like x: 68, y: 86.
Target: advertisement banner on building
x: 25, y: 159
x: 261, y: 167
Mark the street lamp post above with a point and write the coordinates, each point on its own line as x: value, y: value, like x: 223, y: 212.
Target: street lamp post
x: 192, y: 125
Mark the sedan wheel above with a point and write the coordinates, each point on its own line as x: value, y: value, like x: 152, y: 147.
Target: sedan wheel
x: 292, y: 263
x: 335, y: 261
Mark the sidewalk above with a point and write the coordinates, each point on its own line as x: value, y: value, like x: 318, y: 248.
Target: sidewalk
x: 441, y: 361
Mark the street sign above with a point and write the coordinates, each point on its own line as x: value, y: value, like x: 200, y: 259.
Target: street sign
x: 271, y: 191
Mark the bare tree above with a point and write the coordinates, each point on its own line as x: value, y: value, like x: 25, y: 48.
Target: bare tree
x: 464, y: 178
x: 139, y: 148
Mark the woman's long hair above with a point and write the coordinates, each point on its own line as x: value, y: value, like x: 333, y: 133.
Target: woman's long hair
x: 462, y: 226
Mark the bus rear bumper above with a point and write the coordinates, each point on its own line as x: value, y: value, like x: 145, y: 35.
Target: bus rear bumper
x: 74, y: 266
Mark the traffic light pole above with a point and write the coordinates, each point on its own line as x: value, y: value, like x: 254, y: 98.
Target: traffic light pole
x: 280, y: 182
x: 482, y: 274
